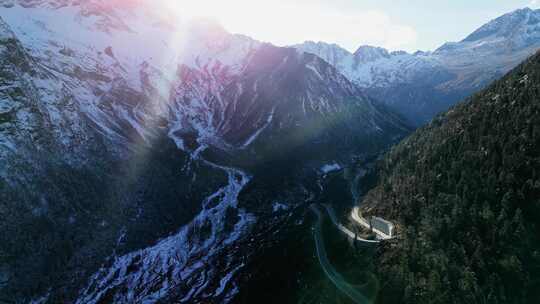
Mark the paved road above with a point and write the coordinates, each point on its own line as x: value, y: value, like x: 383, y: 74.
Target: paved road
x: 356, y: 217
x: 344, y: 229
x: 334, y: 276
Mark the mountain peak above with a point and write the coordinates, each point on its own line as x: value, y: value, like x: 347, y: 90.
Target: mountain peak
x: 330, y: 52
x: 522, y: 10
x: 508, y: 25
x: 321, y: 44
x: 367, y: 53
x: 370, y: 48
x: 322, y: 47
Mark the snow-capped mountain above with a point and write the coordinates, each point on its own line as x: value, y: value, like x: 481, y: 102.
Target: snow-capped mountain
x: 38, y: 112
x: 420, y: 85
x: 131, y: 123
x: 513, y: 31
x: 196, y: 81
x: 100, y: 51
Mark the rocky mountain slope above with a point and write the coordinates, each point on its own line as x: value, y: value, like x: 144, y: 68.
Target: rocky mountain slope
x: 422, y: 84
x: 140, y: 154
x: 214, y: 79
x: 465, y: 194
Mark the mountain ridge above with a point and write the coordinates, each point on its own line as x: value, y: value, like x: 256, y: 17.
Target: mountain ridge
x: 422, y: 84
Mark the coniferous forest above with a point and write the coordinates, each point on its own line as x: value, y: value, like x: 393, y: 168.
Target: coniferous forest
x: 465, y: 193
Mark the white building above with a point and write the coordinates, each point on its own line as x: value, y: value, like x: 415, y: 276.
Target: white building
x: 382, y: 225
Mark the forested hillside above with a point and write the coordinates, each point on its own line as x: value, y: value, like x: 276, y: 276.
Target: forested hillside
x: 465, y: 193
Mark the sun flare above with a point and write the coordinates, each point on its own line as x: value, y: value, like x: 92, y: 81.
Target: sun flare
x: 284, y: 22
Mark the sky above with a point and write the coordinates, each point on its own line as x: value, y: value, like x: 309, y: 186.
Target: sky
x: 394, y: 24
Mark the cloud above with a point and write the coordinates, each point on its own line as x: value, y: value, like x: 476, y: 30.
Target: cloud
x: 370, y: 27
x: 284, y: 23
x: 534, y: 4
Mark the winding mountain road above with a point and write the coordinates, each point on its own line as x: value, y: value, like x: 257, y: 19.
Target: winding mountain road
x: 337, y: 279
x: 358, y: 219
x: 344, y: 229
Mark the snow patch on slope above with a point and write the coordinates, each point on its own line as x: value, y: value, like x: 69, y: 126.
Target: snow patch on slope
x: 179, y: 261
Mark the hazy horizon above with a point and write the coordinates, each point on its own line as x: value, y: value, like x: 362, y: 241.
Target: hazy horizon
x: 410, y: 26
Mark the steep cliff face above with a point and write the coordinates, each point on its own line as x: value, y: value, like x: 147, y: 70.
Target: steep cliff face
x: 20, y: 119
x: 39, y: 116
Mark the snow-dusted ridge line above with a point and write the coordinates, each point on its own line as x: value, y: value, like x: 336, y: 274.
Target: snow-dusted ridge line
x: 490, y: 46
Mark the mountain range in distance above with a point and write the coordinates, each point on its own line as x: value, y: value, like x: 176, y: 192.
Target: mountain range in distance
x: 146, y: 162
x: 423, y: 84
